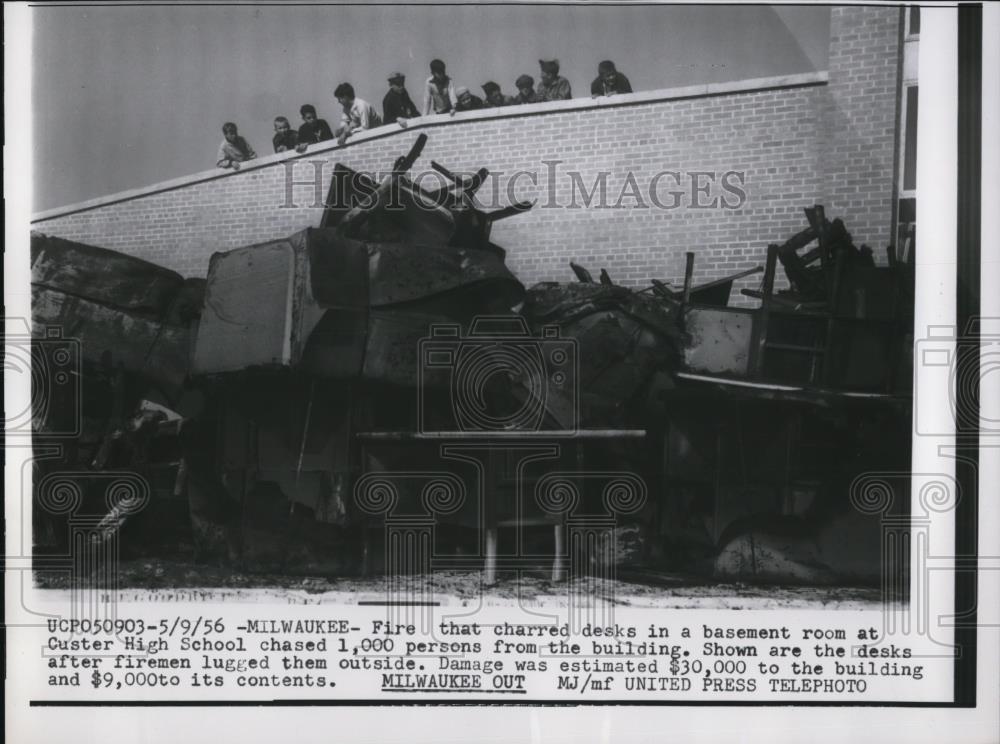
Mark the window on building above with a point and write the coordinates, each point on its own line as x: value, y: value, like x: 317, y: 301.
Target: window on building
x: 906, y: 229
x: 910, y: 140
x: 906, y: 216
x: 906, y: 204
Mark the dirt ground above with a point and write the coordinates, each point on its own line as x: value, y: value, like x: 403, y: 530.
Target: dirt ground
x: 151, y: 577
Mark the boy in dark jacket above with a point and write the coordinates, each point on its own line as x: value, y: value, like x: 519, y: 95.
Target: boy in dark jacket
x: 284, y: 138
x: 525, y: 85
x: 467, y: 101
x: 495, y: 97
x: 609, y: 81
x: 397, y: 106
x: 313, y: 130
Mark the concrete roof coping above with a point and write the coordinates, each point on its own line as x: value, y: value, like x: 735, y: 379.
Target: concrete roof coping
x: 436, y: 120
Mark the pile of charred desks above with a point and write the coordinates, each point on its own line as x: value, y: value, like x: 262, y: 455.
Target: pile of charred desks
x: 111, y: 344
x: 382, y: 393
x: 780, y: 410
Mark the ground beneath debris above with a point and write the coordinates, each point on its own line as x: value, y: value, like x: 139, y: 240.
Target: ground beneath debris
x: 633, y: 588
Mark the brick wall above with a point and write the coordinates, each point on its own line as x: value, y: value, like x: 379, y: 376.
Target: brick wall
x: 789, y: 143
x: 861, y: 119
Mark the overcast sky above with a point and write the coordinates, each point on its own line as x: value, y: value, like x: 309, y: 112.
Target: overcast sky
x: 129, y: 96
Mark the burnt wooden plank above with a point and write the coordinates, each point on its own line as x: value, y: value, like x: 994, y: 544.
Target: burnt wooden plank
x: 760, y: 326
x: 103, y: 276
x: 110, y: 336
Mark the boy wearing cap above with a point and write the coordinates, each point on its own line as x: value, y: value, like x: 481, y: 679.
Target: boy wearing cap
x: 358, y: 113
x: 553, y: 87
x: 609, y: 81
x: 439, y: 91
x: 397, y: 106
x: 525, y: 90
x: 467, y: 101
x: 494, y: 97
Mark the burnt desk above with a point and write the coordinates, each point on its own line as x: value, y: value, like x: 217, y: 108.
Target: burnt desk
x: 489, y: 452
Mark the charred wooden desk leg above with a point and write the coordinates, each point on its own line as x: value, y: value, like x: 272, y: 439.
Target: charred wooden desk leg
x: 490, y: 568
x: 758, y: 345
x: 366, y: 545
x: 581, y: 464
x: 491, y: 482
x: 688, y: 275
x: 558, y: 565
x: 366, y: 532
x: 718, y: 484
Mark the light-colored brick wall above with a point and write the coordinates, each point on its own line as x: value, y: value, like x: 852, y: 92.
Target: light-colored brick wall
x: 861, y: 120
x: 795, y: 143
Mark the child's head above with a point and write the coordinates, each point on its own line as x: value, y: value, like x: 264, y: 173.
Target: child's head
x: 606, y: 70
x: 525, y: 85
x: 493, y: 94
x: 308, y: 113
x: 550, y: 70
x: 344, y: 94
x: 229, y: 131
x: 437, y: 70
x: 281, y: 124
x: 397, y: 81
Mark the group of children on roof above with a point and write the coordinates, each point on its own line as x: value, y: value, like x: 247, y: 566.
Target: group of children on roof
x: 441, y: 96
